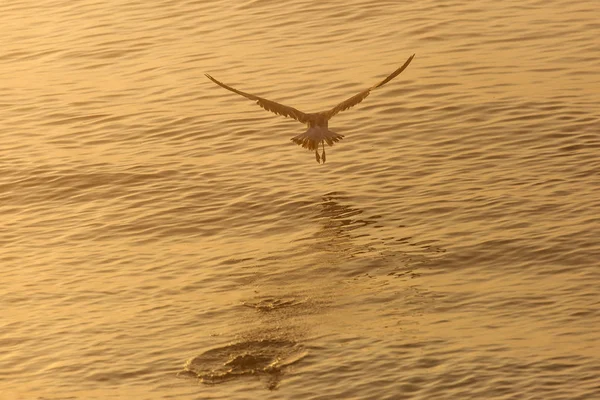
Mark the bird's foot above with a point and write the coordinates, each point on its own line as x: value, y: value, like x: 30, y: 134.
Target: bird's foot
x: 318, y: 157
x: 323, y: 156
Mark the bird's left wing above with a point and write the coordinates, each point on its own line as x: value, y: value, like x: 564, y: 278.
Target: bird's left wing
x: 354, y: 100
x: 268, y: 105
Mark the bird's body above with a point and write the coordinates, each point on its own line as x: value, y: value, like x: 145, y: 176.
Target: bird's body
x: 318, y: 123
x: 317, y: 133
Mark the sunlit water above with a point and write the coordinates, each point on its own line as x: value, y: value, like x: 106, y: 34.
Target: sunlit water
x: 163, y: 238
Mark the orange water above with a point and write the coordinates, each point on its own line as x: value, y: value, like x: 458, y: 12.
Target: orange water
x: 163, y: 238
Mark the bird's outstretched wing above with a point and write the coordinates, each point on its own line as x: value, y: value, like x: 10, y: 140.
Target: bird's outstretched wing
x: 268, y: 105
x: 354, y: 100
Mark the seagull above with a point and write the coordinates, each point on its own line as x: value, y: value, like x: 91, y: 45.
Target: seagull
x: 318, y: 132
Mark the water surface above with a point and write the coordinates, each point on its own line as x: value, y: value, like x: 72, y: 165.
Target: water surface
x: 163, y: 238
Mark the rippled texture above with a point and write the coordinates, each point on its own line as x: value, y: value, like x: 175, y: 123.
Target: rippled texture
x: 163, y: 238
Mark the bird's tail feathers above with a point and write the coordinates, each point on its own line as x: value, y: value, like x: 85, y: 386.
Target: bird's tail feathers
x: 312, y: 138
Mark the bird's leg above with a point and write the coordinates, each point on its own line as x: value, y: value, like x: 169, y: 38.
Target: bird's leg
x: 317, y: 156
x: 323, y: 156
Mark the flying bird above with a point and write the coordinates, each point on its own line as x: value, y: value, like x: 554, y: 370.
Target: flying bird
x: 318, y: 132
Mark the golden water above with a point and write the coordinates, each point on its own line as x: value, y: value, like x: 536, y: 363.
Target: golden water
x: 161, y: 237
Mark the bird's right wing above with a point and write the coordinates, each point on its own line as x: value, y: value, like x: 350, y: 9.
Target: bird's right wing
x: 354, y: 100
x: 268, y: 105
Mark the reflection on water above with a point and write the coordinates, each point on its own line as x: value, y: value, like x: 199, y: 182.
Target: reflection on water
x: 346, y: 234
x: 352, y: 267
x: 335, y: 241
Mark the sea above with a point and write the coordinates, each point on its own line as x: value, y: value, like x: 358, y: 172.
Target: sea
x: 162, y: 238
